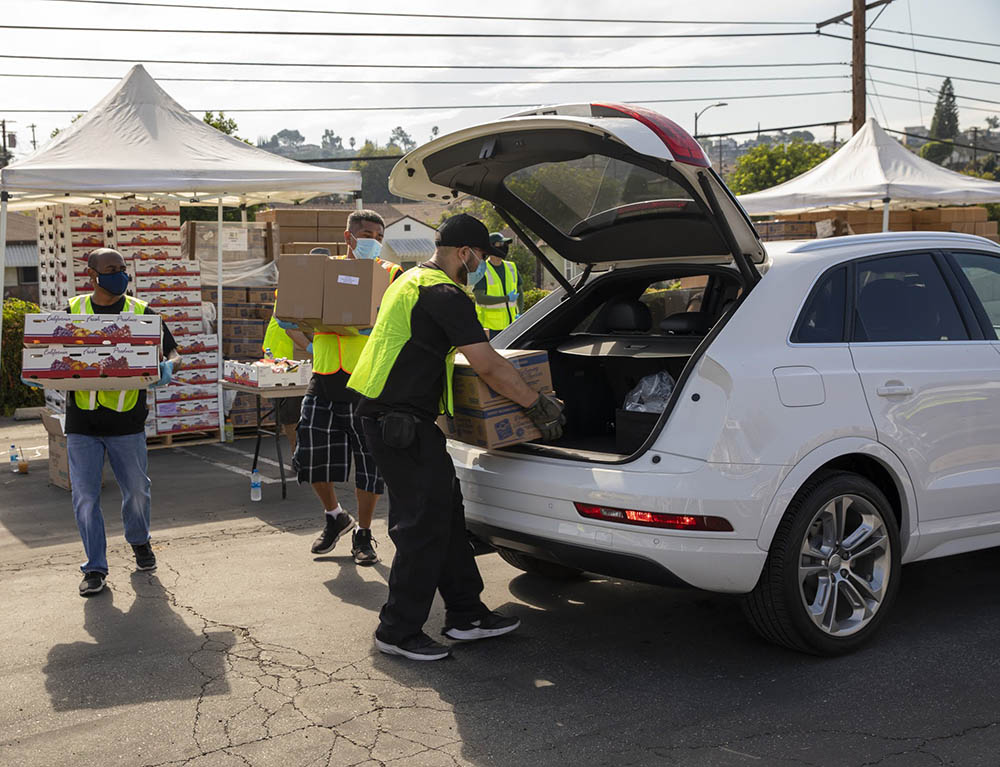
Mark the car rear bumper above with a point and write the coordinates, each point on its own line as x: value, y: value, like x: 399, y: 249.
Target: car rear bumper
x: 528, y: 505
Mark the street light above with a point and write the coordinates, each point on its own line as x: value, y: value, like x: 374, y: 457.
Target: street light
x: 699, y: 114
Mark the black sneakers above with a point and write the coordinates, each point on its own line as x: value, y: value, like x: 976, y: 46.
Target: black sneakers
x: 145, y: 559
x: 490, y: 625
x: 417, y: 647
x: 361, y: 547
x: 335, y: 528
x: 92, y: 583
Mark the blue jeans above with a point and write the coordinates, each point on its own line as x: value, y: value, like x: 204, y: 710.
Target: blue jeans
x: 127, y: 455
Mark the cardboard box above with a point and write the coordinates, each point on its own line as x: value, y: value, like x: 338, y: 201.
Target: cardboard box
x: 167, y: 282
x: 91, y: 329
x: 246, y: 312
x: 296, y: 234
x: 487, y: 419
x: 160, y: 266
x: 352, y: 291
x: 333, y: 218
x: 335, y: 248
x: 300, y: 288
x: 240, y: 242
x: 187, y: 407
x: 290, y: 216
x: 195, y: 376
x: 179, y: 315
x: 74, y: 368
x: 199, y: 360
x: 193, y: 344
x: 182, y: 423
x: 260, y: 296
x: 59, y: 454
x: 178, y: 393
x: 150, y: 253
x: 243, y: 418
x: 186, y: 328
x: 248, y: 330
x: 472, y: 393
x: 241, y: 350
x: 163, y: 298
x: 161, y: 207
x: 125, y: 223
x: 147, y: 238
x: 264, y: 375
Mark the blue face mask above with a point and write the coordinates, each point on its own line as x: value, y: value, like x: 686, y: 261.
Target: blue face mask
x: 367, y: 248
x: 116, y: 284
x: 477, y: 275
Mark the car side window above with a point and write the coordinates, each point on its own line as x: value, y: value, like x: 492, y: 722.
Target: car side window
x: 983, y: 273
x: 822, y: 319
x: 904, y: 298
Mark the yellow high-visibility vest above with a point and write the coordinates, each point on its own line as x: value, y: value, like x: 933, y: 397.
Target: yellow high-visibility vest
x: 498, y: 316
x: 119, y: 401
x: 276, y: 337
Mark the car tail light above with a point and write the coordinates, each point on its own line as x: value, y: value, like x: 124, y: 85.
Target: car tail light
x: 681, y: 144
x: 655, y: 518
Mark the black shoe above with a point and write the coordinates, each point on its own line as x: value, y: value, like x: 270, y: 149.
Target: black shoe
x: 145, y: 559
x: 335, y: 528
x: 417, y: 647
x: 362, y: 542
x: 490, y: 625
x: 92, y: 583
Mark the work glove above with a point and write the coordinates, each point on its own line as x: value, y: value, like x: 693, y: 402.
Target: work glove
x: 30, y: 383
x: 513, y: 296
x: 286, y: 325
x: 309, y: 348
x: 547, y: 414
x: 166, y: 373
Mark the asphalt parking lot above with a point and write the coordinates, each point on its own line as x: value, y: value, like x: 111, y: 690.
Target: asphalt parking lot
x: 244, y: 649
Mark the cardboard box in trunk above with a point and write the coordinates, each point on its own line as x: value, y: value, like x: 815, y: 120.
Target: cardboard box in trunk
x: 486, y: 418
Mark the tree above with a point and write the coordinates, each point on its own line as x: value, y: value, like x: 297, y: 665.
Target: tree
x: 222, y: 123
x: 937, y: 152
x: 993, y: 122
x: 434, y: 132
x: 375, y: 174
x: 945, y: 121
x: 400, y: 137
x: 57, y: 131
x: 766, y: 165
x: 289, y: 137
x: 331, y: 141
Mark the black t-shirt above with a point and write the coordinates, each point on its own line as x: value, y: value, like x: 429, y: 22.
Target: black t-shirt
x: 442, y: 318
x: 332, y: 387
x: 104, y: 422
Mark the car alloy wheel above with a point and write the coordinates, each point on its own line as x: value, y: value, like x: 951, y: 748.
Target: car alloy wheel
x: 844, y: 565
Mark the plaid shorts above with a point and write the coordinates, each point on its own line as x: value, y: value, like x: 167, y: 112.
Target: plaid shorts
x: 328, y: 433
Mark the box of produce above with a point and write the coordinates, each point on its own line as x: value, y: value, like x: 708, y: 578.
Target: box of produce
x: 187, y: 407
x: 158, y: 298
x: 182, y: 423
x: 159, y: 266
x: 92, y: 367
x: 268, y: 373
x: 179, y: 392
x: 168, y: 282
x: 201, y: 342
x: 91, y: 329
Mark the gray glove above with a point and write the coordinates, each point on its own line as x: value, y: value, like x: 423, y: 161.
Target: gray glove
x: 547, y: 415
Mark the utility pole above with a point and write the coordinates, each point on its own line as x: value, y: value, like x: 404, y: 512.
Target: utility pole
x: 858, y: 16
x: 975, y: 136
x: 34, y: 144
x: 835, y: 137
x: 3, y: 129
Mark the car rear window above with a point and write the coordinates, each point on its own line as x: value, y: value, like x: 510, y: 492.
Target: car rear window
x: 596, y: 191
x: 905, y: 298
x: 822, y: 319
x: 983, y: 273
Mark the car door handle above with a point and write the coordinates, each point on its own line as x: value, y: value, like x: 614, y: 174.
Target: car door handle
x: 893, y: 389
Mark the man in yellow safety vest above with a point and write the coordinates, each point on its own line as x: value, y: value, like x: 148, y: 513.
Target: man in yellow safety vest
x: 329, y: 430
x: 111, y: 423
x: 498, y: 293
x: 290, y: 344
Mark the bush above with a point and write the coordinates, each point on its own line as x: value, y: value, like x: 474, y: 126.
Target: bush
x: 533, y: 295
x: 13, y: 393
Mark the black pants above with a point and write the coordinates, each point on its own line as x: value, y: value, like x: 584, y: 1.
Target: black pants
x: 427, y: 526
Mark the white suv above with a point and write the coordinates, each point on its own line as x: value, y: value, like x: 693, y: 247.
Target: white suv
x: 829, y: 420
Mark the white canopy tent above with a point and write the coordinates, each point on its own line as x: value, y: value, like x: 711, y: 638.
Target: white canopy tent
x: 872, y: 167
x: 139, y: 142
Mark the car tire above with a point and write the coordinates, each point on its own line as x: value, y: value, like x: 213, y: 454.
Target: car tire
x: 537, y: 566
x: 833, y: 569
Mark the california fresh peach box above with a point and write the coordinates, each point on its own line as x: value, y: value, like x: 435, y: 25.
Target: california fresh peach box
x: 201, y: 342
x: 174, y: 393
x: 157, y: 266
x: 264, y: 375
x: 92, y: 367
x: 167, y: 282
x: 91, y: 329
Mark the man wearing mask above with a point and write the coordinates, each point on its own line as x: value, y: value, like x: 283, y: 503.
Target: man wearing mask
x: 498, y: 293
x: 405, y: 377
x: 111, y: 423
x: 329, y: 429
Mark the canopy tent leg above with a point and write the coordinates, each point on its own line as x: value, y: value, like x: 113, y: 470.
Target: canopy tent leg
x: 4, y: 196
x: 243, y: 211
x: 885, y: 214
x: 358, y: 202
x: 218, y: 321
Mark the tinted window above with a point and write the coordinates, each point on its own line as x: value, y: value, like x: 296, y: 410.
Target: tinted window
x: 905, y: 298
x: 984, y: 273
x: 822, y: 319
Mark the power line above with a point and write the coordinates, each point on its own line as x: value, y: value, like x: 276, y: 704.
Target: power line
x: 936, y: 37
x: 449, y: 35
x: 915, y: 50
x: 429, y: 82
x: 326, y: 65
x: 944, y: 141
x: 933, y: 74
x: 422, y: 15
x: 964, y: 106
x: 445, y: 107
x: 931, y: 90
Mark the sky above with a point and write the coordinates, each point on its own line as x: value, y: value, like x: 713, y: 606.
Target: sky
x: 751, y: 100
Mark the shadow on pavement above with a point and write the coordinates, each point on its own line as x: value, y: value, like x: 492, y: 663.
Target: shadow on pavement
x: 145, y: 654
x: 604, y: 672
x: 351, y: 588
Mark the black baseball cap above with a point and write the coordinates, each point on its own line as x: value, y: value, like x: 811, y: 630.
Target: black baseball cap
x: 465, y: 230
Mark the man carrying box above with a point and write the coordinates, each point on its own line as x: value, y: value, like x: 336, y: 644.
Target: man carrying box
x: 329, y: 429
x: 112, y: 423
x: 405, y: 377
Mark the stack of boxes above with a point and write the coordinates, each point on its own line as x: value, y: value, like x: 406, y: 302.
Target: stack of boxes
x: 66, y: 234
x: 241, y: 242
x: 971, y: 220
x: 299, y: 230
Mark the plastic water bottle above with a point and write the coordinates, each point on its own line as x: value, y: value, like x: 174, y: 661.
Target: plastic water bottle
x: 13, y: 458
x: 255, y: 494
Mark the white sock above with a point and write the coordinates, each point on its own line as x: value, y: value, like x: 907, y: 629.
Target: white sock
x: 336, y: 511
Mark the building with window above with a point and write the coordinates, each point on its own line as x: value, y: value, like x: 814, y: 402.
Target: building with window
x: 408, y: 241
x: 20, y: 277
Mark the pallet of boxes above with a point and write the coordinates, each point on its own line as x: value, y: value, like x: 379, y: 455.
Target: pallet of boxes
x: 299, y: 230
x: 79, y: 355
x: 972, y: 219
